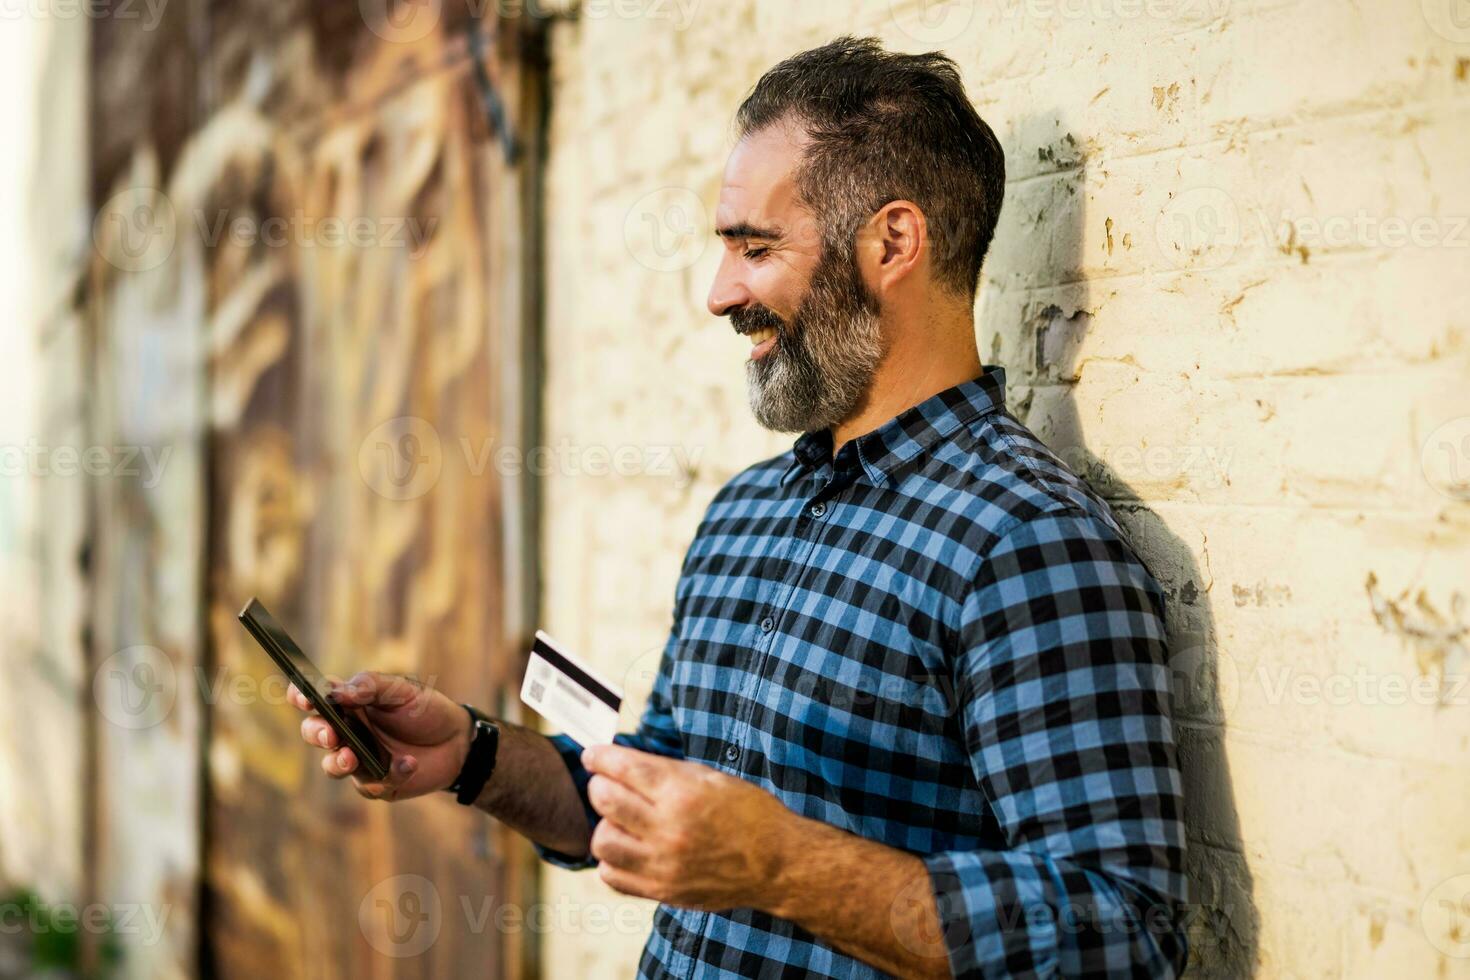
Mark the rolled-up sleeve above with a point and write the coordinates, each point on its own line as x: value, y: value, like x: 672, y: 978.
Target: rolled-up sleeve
x: 656, y: 733
x: 1063, y: 691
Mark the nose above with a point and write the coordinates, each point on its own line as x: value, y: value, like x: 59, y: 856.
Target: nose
x: 728, y: 291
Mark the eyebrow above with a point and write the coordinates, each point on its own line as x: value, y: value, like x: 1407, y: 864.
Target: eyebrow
x: 744, y: 229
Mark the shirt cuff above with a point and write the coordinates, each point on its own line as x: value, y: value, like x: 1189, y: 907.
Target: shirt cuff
x: 980, y: 936
x: 1004, y: 913
x: 571, y: 756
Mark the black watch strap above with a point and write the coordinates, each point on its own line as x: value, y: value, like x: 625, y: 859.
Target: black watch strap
x: 479, y: 763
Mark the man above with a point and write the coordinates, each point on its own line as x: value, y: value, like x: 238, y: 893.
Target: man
x: 912, y: 714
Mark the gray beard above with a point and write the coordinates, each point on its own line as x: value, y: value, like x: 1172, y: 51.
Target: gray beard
x: 824, y: 360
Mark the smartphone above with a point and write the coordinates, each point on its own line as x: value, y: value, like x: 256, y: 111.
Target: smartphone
x: 351, y: 730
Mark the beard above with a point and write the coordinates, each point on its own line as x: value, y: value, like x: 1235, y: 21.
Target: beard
x: 819, y: 370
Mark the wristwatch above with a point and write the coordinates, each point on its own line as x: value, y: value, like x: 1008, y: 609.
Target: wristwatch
x: 479, y: 762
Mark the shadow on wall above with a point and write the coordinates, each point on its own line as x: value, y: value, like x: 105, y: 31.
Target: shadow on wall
x: 1038, y: 311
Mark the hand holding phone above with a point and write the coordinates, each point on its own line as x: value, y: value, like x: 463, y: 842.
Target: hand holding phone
x: 345, y: 722
x: 423, y: 734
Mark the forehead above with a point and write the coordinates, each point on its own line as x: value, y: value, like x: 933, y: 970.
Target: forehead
x: 759, y: 185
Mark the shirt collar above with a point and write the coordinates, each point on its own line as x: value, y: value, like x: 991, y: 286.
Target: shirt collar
x: 910, y: 432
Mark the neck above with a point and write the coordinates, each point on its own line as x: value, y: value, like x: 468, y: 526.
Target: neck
x: 922, y: 361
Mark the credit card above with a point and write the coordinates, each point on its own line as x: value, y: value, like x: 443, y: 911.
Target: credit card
x: 571, y: 695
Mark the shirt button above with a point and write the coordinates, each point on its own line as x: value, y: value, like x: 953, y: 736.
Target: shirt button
x: 767, y: 624
x: 818, y: 510
x: 731, y: 753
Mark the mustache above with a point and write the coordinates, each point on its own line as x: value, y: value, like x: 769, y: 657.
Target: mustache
x: 757, y: 317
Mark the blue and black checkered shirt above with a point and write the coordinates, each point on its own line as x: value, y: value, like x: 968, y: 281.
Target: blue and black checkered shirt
x: 940, y: 640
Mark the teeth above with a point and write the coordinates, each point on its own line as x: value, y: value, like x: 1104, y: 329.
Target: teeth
x: 761, y: 336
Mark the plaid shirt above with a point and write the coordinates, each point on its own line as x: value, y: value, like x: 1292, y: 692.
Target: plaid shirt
x: 939, y: 640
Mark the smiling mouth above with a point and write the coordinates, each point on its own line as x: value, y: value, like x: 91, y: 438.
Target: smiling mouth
x: 762, y: 341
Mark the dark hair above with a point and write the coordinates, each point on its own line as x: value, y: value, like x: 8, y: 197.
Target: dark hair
x: 884, y: 127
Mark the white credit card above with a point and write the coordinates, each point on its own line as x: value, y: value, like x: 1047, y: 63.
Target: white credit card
x: 570, y: 694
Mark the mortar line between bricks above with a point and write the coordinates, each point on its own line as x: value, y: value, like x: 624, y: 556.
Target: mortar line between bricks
x: 1322, y: 259
x: 1355, y: 510
x: 1104, y: 155
x: 1403, y: 370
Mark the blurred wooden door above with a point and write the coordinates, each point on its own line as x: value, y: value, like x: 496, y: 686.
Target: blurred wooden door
x: 349, y: 275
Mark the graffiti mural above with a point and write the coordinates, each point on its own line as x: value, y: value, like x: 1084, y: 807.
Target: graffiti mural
x: 293, y: 296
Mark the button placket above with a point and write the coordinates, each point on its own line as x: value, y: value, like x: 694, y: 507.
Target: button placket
x: 799, y: 551
x: 689, y: 943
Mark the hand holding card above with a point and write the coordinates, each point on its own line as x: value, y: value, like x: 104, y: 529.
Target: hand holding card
x: 571, y: 695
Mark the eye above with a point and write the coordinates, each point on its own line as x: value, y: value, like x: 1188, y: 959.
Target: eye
x: 756, y: 254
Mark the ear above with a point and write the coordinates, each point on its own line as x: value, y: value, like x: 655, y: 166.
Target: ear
x: 892, y: 245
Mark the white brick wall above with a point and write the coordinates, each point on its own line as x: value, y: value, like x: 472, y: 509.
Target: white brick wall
x: 43, y: 194
x: 1259, y: 403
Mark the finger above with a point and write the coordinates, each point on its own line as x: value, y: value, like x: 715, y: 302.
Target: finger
x: 340, y: 763
x: 643, y: 772
x: 403, y: 767
x: 369, y: 687
x: 618, y: 803
x: 316, y: 731
x: 614, y: 845
x: 297, y: 699
x: 625, y: 882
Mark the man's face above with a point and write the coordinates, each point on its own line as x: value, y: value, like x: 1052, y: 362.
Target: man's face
x: 814, y: 323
